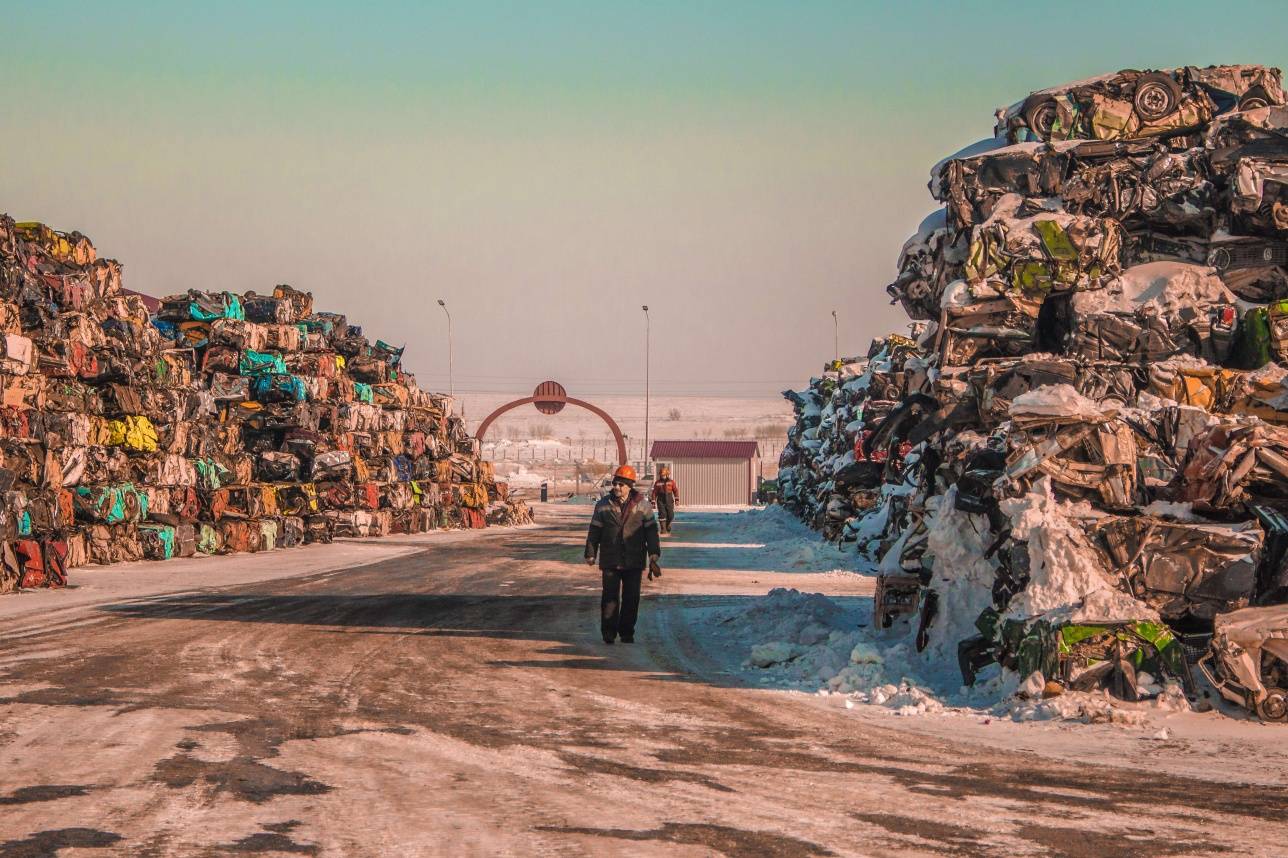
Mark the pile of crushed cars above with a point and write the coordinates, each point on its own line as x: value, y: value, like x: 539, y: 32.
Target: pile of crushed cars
x: 218, y: 423
x: 1075, y: 466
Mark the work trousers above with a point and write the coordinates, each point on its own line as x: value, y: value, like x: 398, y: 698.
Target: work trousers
x: 665, y: 510
x: 620, y: 603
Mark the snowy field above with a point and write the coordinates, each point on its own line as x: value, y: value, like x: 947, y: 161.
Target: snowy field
x: 698, y: 416
x: 530, y: 448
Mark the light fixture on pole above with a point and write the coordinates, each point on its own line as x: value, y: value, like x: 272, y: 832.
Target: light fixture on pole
x: 648, y: 469
x: 451, y: 383
x: 836, y: 340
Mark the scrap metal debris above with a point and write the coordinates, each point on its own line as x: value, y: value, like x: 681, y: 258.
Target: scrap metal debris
x: 1248, y: 662
x: 1076, y: 463
x: 216, y: 423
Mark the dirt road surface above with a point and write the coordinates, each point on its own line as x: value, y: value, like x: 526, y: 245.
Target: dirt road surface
x: 457, y: 700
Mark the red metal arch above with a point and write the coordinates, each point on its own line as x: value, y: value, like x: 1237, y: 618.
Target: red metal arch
x: 527, y: 400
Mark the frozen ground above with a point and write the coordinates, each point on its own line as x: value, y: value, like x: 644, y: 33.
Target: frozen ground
x: 800, y: 641
x: 390, y: 708
x: 759, y: 538
x: 97, y: 585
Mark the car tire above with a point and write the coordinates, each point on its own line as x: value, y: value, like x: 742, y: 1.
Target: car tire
x: 1254, y: 98
x: 1219, y: 258
x: 1156, y: 96
x: 1040, y: 113
x: 1274, y: 706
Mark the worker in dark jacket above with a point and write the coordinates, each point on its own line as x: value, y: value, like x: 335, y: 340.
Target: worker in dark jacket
x: 623, y: 534
x: 666, y: 497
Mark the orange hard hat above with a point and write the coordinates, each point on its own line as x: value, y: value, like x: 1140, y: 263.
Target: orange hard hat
x: 625, y: 472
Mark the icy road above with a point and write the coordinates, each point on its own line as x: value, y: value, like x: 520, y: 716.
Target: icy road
x: 449, y: 695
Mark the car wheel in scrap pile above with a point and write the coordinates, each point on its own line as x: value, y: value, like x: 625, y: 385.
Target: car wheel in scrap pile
x: 1156, y: 96
x: 1219, y: 258
x: 1040, y: 114
x: 1274, y: 707
x: 1254, y: 98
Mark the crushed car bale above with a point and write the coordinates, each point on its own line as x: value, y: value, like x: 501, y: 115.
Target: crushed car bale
x: 216, y: 423
x: 1074, y: 468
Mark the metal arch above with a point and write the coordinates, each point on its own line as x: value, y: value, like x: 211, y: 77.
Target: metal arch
x: 528, y: 400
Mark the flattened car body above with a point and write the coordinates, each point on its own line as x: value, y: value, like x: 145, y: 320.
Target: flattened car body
x: 1248, y: 660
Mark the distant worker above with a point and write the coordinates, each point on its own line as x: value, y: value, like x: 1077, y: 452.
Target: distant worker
x: 623, y: 533
x: 666, y: 496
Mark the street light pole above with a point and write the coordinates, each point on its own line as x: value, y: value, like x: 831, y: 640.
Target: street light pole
x: 647, y: 459
x: 451, y: 381
x: 836, y: 339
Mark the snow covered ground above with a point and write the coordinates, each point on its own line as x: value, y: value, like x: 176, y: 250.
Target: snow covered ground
x: 819, y: 639
x: 99, y: 585
x: 809, y: 642
x: 529, y: 444
x: 757, y: 538
x: 669, y: 416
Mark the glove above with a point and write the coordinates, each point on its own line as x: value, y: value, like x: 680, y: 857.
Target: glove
x: 654, y: 570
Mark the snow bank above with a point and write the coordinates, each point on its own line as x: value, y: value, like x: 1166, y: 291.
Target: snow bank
x: 1068, y: 582
x: 809, y: 642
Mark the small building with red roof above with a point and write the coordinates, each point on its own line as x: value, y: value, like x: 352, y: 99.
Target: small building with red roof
x: 711, y: 473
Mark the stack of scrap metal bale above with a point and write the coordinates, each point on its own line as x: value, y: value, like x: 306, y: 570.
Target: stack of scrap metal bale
x: 1076, y: 467
x: 220, y: 423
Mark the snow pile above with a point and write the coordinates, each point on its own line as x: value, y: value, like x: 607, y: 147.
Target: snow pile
x: 522, y: 478
x: 805, y: 637
x: 1164, y: 288
x: 1055, y: 400
x: 1068, y: 583
x: 809, y: 642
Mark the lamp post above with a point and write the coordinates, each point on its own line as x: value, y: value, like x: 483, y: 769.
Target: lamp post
x: 647, y: 459
x: 836, y: 339
x: 451, y: 383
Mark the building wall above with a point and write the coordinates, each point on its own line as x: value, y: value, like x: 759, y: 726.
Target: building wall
x: 714, y: 481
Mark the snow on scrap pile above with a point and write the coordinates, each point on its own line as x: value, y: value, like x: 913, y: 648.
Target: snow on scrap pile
x: 1077, y: 459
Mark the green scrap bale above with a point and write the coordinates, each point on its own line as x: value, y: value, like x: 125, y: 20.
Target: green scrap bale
x: 1251, y: 348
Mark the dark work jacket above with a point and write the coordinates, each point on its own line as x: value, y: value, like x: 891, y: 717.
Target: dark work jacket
x: 624, y: 545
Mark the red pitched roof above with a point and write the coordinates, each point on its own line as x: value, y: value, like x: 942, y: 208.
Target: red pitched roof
x: 153, y: 304
x: 705, y: 449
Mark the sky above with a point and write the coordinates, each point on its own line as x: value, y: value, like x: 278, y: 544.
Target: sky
x: 743, y: 168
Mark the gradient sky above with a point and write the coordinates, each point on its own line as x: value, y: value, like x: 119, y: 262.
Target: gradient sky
x: 742, y: 167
